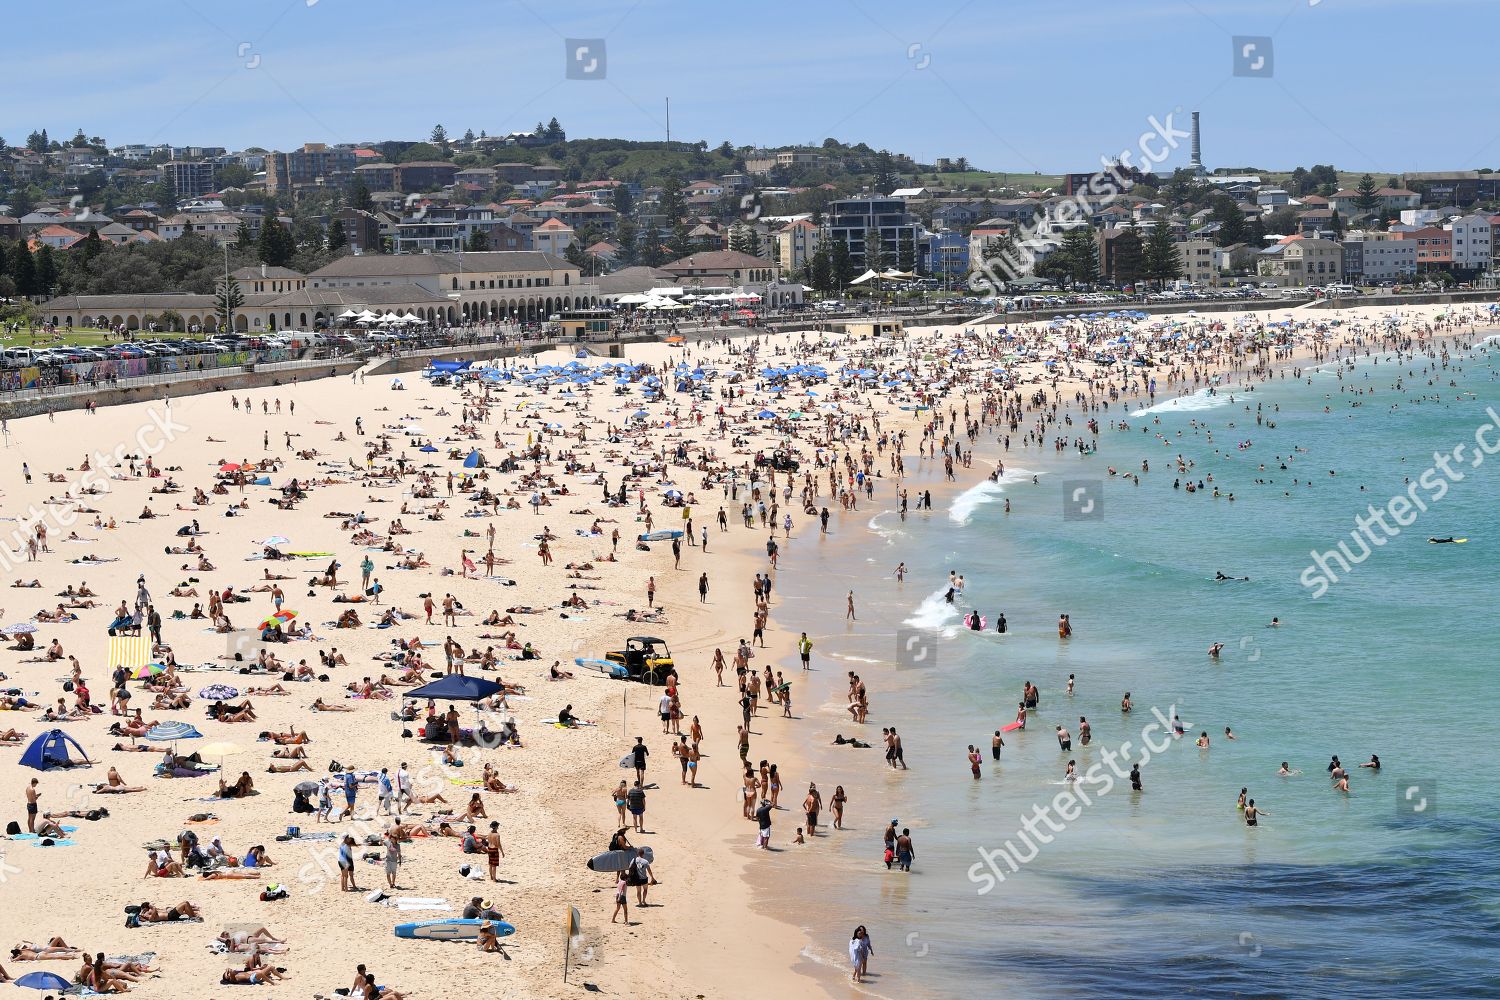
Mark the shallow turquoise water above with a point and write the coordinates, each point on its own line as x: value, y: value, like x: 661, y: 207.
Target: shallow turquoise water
x: 1334, y: 895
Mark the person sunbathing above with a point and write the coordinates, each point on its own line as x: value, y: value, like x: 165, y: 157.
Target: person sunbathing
x: 252, y: 976
x: 27, y: 586
x: 301, y: 765
x: 93, y: 815
x: 289, y: 753
x: 274, y: 689
x: 149, y: 914
x: 428, y: 800
x: 54, y: 950
x: 231, y: 713
x: 12, y: 736
x: 322, y: 706
x: 289, y: 738
x: 349, y: 619
x: 168, y: 703
x: 242, y: 941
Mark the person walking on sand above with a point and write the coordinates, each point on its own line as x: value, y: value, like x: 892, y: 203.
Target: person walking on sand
x: 392, y: 856
x: 622, y: 897
x: 849, y: 612
x: 860, y: 950
x: 346, y: 866
x: 703, y: 588
x: 639, y: 753
x: 651, y: 592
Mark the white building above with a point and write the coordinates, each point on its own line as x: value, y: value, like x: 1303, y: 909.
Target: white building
x: 1471, y: 242
x: 1419, y: 218
x: 1383, y: 259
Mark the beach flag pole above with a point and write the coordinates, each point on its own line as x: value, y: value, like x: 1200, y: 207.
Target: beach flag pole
x: 574, y: 927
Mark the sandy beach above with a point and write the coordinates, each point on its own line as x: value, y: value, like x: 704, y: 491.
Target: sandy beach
x: 707, y: 929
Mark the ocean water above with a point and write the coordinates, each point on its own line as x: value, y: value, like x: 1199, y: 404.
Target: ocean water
x: 1393, y: 889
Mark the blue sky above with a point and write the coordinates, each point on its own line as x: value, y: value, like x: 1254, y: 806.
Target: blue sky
x: 1017, y: 86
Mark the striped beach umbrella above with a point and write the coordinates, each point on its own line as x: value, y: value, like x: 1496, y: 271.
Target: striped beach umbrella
x: 166, y: 732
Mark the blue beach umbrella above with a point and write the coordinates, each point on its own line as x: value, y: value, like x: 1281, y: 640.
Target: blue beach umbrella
x: 44, y: 981
x: 166, y: 732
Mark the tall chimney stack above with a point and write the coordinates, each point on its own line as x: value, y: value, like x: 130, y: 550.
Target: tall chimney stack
x: 1197, y: 164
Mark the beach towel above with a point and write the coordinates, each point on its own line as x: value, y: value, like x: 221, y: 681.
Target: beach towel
x: 129, y: 651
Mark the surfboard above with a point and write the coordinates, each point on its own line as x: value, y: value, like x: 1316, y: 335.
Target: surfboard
x: 628, y: 761
x: 603, y: 666
x: 984, y: 622
x: 1011, y: 728
x: 617, y: 861
x: 1446, y: 541
x: 660, y: 535
x: 453, y: 929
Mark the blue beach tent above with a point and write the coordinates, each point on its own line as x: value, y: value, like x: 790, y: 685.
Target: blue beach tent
x: 456, y: 688
x: 50, y: 750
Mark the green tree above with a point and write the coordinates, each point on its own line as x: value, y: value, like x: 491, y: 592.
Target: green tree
x: 1163, y: 256
x: 232, y: 175
x: 275, y: 246
x: 681, y: 242
x: 46, y: 267
x: 360, y: 197
x: 439, y: 138
x: 1337, y: 225
x: 650, y: 252
x: 37, y: 142
x: 164, y: 193
x: 88, y: 248
x: 820, y: 270
x: 479, y: 241
x: 1367, y: 200
x: 672, y: 205
x: 1080, y: 255
x: 23, y: 270
x: 841, y: 264
x: 624, y: 201
x: 737, y: 238
x: 625, y: 236
x: 574, y: 254
x: 554, y: 131
x: 874, y: 251
x: 244, y: 240
x: 752, y: 241
x: 1231, y: 220
x: 1126, y: 258
x: 886, y: 178
x: 79, y: 140
x: 338, y: 239
x: 227, y: 298
x: 906, y: 252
